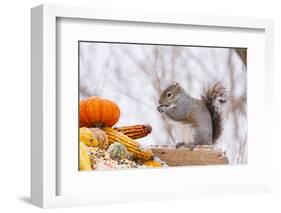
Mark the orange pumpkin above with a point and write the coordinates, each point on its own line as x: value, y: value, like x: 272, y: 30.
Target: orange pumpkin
x: 97, y: 112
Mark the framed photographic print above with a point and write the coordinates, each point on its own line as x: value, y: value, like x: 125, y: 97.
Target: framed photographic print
x: 130, y: 106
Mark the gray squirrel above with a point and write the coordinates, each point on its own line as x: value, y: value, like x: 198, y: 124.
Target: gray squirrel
x: 204, y: 115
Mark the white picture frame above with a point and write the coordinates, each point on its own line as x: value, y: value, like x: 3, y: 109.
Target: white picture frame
x: 44, y: 151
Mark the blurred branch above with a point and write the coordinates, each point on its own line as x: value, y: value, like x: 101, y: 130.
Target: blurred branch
x: 232, y: 85
x: 242, y: 52
x: 135, y: 98
x: 237, y: 108
x: 84, y: 91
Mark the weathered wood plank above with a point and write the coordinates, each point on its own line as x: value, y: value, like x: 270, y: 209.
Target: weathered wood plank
x: 200, y: 155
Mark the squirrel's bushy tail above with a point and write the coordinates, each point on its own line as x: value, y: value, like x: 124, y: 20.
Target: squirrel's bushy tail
x: 215, y: 96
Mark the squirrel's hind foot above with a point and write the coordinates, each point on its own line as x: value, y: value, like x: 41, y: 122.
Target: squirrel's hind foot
x: 180, y: 145
x: 190, y: 146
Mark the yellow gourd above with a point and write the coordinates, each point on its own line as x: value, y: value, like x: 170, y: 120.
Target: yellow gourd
x: 87, y: 137
x: 84, y: 160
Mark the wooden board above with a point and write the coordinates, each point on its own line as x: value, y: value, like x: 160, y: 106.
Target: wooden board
x: 200, y: 155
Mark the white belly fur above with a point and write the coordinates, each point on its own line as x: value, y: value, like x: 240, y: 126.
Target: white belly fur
x: 184, y: 132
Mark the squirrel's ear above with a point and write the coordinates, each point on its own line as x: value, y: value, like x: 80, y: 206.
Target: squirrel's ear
x: 176, y: 84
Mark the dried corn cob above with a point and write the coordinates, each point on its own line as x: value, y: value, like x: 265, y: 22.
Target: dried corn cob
x: 133, y: 146
x: 135, y: 131
x: 152, y: 163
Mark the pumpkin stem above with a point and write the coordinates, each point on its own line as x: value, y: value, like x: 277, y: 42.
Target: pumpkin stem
x: 98, y: 125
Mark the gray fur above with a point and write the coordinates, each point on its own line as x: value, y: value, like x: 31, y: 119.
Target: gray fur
x: 183, y: 108
x: 214, y: 96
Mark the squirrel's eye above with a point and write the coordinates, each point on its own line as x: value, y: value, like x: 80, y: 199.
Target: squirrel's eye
x: 169, y: 95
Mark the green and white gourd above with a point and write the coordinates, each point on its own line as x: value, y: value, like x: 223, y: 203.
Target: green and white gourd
x: 118, y: 151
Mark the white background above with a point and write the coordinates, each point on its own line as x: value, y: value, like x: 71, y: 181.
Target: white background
x: 15, y: 89
x: 157, y: 180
